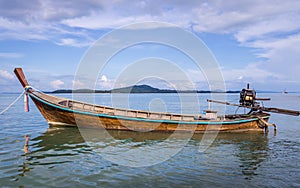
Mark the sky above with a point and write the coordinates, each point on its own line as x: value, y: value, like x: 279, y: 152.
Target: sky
x: 253, y: 41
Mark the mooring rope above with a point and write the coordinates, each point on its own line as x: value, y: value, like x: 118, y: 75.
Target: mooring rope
x: 11, y: 104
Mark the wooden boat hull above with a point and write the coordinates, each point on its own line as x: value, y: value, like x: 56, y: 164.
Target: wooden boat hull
x: 62, y: 116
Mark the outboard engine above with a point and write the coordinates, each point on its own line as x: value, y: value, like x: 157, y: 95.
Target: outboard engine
x: 247, y: 97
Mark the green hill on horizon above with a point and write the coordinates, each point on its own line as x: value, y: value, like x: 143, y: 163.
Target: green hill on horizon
x: 137, y: 89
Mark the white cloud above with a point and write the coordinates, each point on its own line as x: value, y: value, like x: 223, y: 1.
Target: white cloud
x: 106, y: 83
x: 104, y: 78
x: 235, y: 78
x: 56, y: 84
x: 73, y: 42
x: 6, y: 75
x: 17, y: 29
x: 10, y: 55
x: 268, y: 26
x: 252, y: 72
x: 281, y: 57
x: 53, y: 20
x: 77, y: 84
x: 67, y: 42
x: 240, y: 18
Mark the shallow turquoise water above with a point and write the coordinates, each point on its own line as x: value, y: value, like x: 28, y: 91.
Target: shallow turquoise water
x: 61, y: 156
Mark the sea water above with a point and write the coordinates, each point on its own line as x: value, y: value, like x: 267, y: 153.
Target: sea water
x: 62, y: 156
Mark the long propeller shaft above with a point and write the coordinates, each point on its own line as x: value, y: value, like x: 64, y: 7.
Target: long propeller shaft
x: 262, y: 108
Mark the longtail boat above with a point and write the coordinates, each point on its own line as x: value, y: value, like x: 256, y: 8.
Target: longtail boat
x: 60, y: 111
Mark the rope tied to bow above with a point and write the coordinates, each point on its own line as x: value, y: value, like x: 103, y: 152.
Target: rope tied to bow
x: 11, y: 104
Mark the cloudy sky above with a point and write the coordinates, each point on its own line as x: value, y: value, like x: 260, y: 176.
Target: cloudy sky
x: 252, y: 40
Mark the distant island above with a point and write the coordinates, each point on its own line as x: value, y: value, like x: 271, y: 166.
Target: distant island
x: 137, y: 89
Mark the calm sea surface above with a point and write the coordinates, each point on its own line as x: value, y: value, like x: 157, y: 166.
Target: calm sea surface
x: 60, y: 157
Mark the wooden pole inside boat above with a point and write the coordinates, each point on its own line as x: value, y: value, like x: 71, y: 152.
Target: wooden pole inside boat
x: 222, y: 102
x: 20, y: 75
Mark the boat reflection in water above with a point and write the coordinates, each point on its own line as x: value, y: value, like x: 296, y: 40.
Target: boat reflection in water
x: 233, y: 153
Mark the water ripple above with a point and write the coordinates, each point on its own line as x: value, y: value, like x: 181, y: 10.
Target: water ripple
x: 61, y: 156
